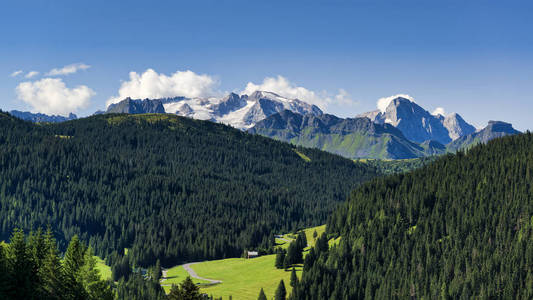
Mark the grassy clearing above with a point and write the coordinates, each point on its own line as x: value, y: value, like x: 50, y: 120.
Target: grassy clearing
x: 176, y: 275
x: 309, y: 232
x: 105, y: 270
x: 243, y: 278
x: 302, y: 156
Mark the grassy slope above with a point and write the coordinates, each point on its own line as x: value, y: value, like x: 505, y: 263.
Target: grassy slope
x: 176, y: 275
x: 105, y: 270
x: 243, y: 278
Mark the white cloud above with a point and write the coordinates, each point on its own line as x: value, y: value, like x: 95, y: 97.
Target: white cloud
x: 69, y: 69
x: 151, y: 84
x: 384, y: 102
x: 282, y: 86
x: 52, y: 96
x: 31, y: 74
x: 16, y: 73
x: 439, y: 111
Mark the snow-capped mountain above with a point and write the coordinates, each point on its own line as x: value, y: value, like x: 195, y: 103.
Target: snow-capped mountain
x: 239, y: 111
x: 419, y: 125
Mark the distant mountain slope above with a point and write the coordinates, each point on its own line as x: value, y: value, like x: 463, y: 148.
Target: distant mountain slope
x: 418, y: 125
x: 352, y: 138
x: 458, y: 228
x: 457, y: 126
x: 136, y: 106
x: 40, y: 118
x: 238, y: 111
x: 164, y: 186
x: 494, y: 129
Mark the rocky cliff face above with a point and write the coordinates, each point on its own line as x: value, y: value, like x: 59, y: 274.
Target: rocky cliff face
x: 418, y: 125
x: 494, y: 129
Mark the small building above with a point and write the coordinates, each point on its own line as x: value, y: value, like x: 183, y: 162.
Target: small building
x: 252, y: 254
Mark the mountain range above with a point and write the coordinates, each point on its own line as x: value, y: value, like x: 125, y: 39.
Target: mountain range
x: 402, y: 130
x: 239, y: 111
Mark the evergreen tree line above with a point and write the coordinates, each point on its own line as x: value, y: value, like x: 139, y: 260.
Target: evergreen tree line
x: 458, y: 228
x: 163, y: 186
x: 294, y: 253
x: 31, y: 268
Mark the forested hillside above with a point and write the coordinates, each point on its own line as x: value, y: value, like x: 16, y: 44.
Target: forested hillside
x: 163, y: 186
x: 459, y: 228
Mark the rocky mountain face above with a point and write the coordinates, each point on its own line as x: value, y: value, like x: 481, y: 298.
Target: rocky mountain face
x: 136, y: 106
x: 351, y: 137
x: 494, y: 129
x: 457, y: 126
x: 239, y: 111
x: 41, y: 118
x: 416, y: 123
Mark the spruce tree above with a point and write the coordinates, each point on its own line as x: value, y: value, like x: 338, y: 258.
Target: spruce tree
x: 280, y: 259
x: 72, y: 264
x: 294, y: 278
x: 95, y: 287
x: 51, y: 272
x: 262, y: 295
x: 24, y: 272
x: 5, y: 273
x: 157, y: 271
x: 281, y: 292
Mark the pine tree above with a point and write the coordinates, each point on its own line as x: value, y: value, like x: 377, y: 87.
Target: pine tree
x: 23, y: 276
x: 280, y: 260
x: 5, y: 273
x: 186, y: 291
x: 294, y: 278
x: 157, y: 271
x: 72, y: 264
x: 51, y: 272
x: 262, y: 295
x: 281, y: 292
x: 94, y: 286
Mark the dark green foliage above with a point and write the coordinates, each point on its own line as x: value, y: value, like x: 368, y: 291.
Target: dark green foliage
x: 281, y: 292
x: 301, y: 240
x: 400, y: 165
x: 294, y: 254
x: 187, y: 290
x: 137, y: 288
x: 31, y: 269
x: 459, y: 228
x: 280, y: 259
x: 294, y: 278
x: 121, y: 269
x: 163, y: 186
x: 262, y: 295
x: 157, y: 271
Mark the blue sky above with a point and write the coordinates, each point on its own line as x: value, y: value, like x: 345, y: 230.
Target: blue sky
x: 471, y: 57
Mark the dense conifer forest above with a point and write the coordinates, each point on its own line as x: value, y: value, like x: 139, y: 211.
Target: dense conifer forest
x: 458, y: 228
x: 31, y: 267
x: 163, y: 186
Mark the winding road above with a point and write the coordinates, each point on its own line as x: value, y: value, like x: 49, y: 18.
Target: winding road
x: 193, y: 274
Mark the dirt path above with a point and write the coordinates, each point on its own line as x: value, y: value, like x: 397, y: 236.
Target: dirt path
x: 193, y: 274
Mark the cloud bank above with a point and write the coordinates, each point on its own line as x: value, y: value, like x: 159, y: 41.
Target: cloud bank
x: 151, y: 84
x: 31, y: 74
x: 282, y: 86
x: 16, y: 73
x: 69, y: 69
x: 384, y: 102
x: 52, y: 96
